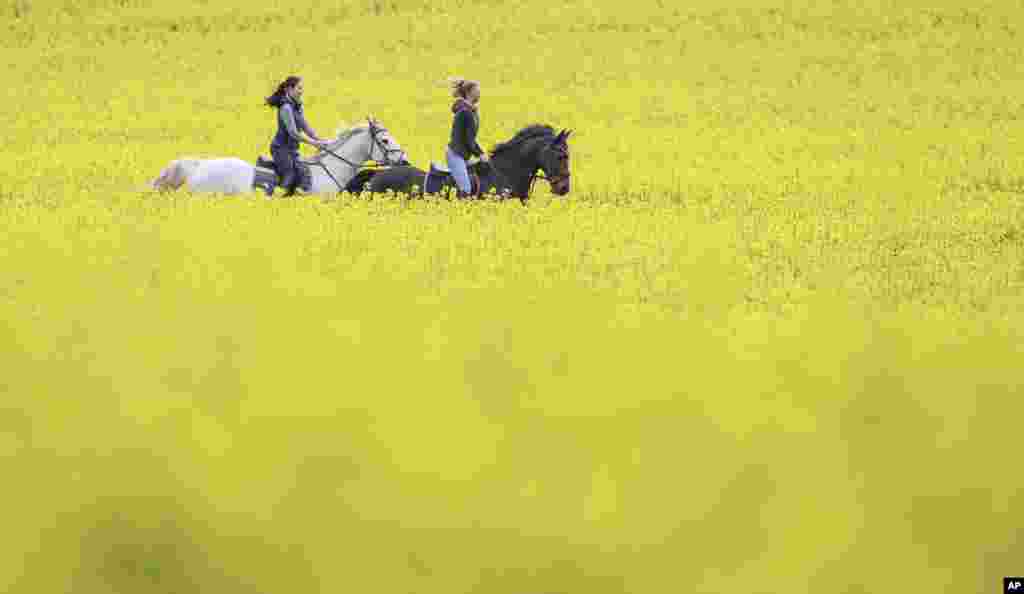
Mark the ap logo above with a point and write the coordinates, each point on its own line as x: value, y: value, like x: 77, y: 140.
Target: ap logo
x: 1014, y: 585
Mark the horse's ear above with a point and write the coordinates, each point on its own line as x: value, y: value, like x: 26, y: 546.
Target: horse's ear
x: 567, y: 134
x: 560, y: 138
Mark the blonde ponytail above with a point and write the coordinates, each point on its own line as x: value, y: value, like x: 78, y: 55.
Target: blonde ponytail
x: 460, y: 86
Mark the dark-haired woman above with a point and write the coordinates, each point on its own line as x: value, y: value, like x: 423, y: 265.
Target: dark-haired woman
x: 465, y: 125
x: 292, y: 129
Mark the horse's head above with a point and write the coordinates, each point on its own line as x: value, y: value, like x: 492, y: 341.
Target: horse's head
x: 383, y: 147
x: 554, y: 161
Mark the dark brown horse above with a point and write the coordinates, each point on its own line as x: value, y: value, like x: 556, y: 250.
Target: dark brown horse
x: 512, y: 169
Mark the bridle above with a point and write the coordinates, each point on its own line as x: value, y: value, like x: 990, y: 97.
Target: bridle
x: 562, y: 150
x: 374, y: 130
x: 383, y: 148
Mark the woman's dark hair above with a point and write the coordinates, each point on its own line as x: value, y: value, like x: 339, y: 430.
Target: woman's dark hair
x: 277, y: 98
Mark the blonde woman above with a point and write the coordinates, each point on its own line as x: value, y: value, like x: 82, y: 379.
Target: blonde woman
x: 465, y: 126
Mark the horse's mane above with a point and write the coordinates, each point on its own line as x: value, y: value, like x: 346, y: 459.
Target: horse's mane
x: 341, y: 134
x: 344, y: 132
x: 531, y: 132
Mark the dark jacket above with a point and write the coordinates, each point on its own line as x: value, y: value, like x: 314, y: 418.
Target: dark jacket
x: 465, y: 126
x: 290, y: 119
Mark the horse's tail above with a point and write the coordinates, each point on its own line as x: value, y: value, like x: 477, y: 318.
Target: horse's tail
x: 173, y: 176
x: 167, y: 179
x: 158, y: 183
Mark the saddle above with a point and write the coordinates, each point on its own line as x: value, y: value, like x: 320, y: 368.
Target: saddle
x: 268, y: 163
x: 305, y: 175
x: 439, y: 179
x: 265, y: 163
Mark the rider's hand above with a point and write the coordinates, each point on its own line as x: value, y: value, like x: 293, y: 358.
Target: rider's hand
x: 484, y: 158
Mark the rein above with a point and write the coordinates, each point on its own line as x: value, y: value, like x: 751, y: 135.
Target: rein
x: 533, y: 179
x: 340, y: 158
x: 355, y: 166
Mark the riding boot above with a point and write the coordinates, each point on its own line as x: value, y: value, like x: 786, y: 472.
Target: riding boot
x: 286, y: 163
x: 290, y: 183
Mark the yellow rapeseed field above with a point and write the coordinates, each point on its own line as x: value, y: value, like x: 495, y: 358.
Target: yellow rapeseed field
x: 770, y: 343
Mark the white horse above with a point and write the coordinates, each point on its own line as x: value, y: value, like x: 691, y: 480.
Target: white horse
x: 331, y: 169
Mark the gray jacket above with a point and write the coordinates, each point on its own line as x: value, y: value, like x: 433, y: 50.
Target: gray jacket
x: 290, y: 120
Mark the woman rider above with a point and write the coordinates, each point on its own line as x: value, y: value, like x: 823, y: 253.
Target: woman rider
x: 465, y: 125
x: 292, y: 129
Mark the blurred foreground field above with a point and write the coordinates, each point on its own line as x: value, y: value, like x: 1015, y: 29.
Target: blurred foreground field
x: 770, y: 343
